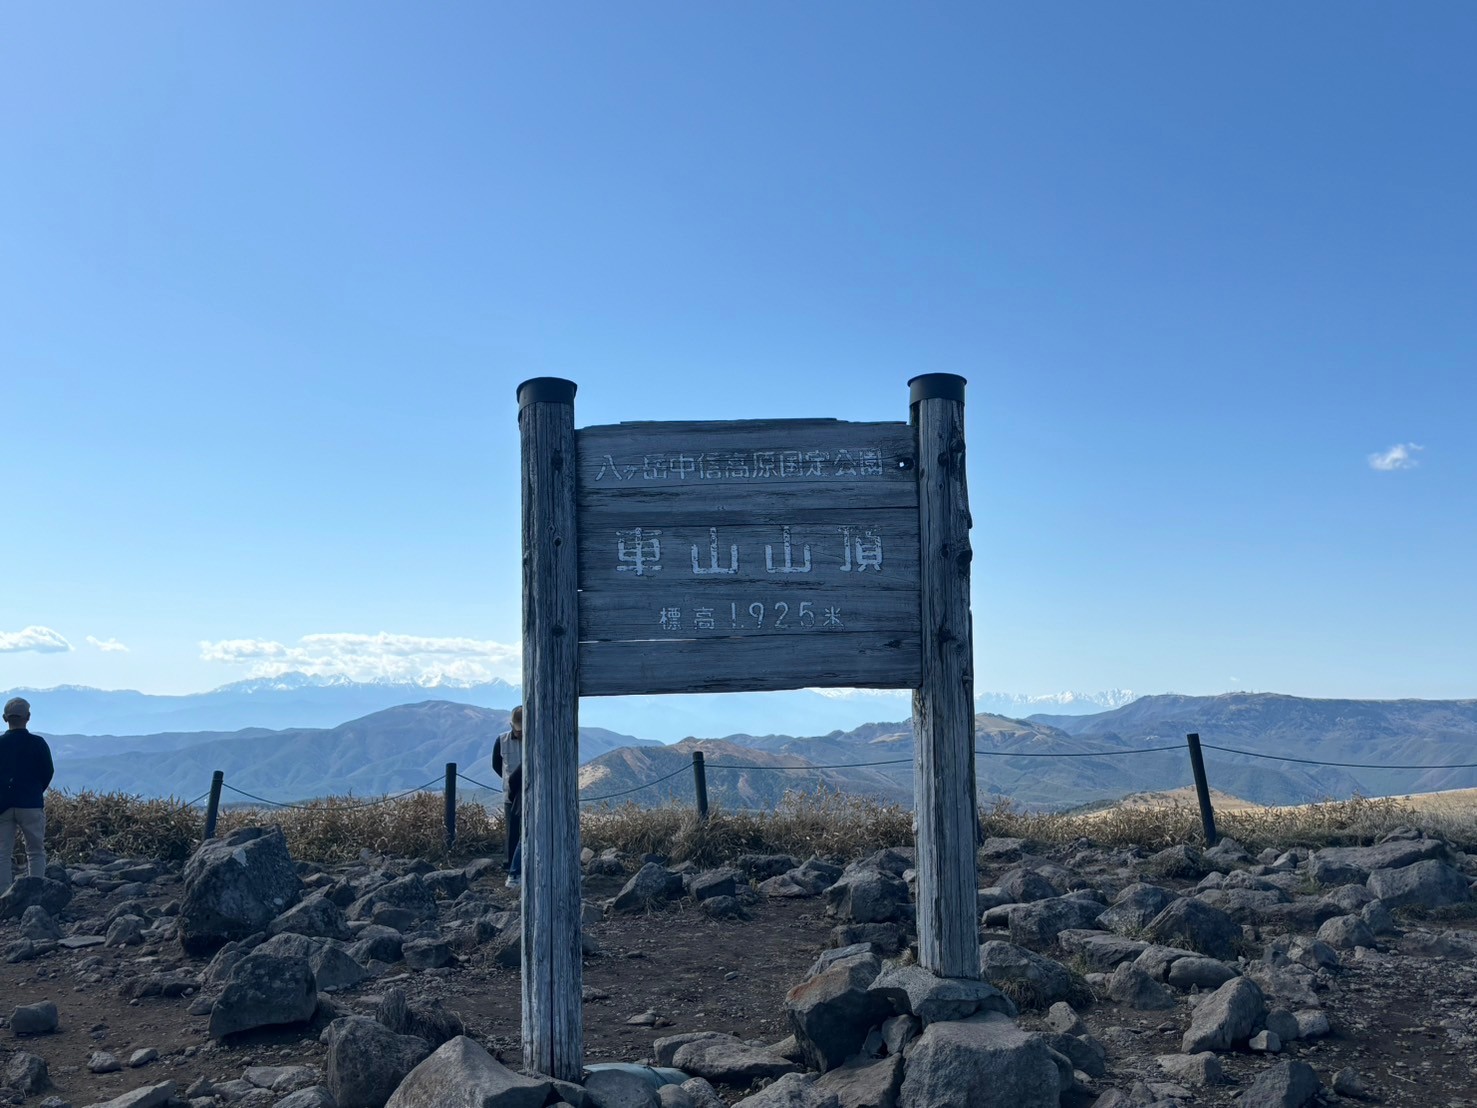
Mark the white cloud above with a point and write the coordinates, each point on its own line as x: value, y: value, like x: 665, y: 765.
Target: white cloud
x: 107, y: 646
x: 42, y: 640
x: 1399, y: 456
x: 366, y: 657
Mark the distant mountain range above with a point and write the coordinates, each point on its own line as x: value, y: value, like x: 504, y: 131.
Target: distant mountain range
x: 298, y: 700
x: 405, y: 746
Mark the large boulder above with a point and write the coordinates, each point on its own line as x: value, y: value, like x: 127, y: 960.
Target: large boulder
x: 794, y: 1090
x: 333, y: 968
x: 1226, y: 1018
x: 1038, y: 924
x: 985, y: 1061
x: 1197, y: 926
x: 1029, y: 979
x: 1023, y: 886
x: 1342, y: 865
x: 463, y: 1074
x: 865, y: 1082
x: 34, y: 892
x: 235, y: 887
x: 405, y: 899
x: 869, y: 896
x: 650, y: 886
x: 1428, y: 884
x: 912, y: 990
x: 367, y: 1061
x: 725, y: 1060
x: 1134, y: 988
x: 832, y: 1012
x: 317, y: 917
x: 1135, y: 907
x: 264, y: 990
x: 1285, y: 1085
x: 1100, y: 950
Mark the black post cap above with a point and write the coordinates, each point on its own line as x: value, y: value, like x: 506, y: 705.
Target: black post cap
x: 936, y: 386
x: 546, y: 390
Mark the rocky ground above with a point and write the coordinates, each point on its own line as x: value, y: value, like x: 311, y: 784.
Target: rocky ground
x: 1114, y: 977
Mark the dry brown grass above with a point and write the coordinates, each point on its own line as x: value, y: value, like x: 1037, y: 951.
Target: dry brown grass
x: 826, y: 823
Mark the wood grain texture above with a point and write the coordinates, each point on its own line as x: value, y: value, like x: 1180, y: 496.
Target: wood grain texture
x: 943, y: 705
x: 759, y: 663
x: 553, y: 1031
x: 722, y: 466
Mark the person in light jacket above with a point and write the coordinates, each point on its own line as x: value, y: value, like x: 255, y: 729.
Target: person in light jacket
x: 25, y: 775
x: 507, y: 763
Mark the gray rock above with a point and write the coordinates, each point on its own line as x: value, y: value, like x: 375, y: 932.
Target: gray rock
x: 1225, y: 1018
x: 34, y: 1019
x: 235, y: 887
x: 408, y: 897
x: 1342, y: 865
x: 1347, y: 1082
x: 1346, y: 932
x: 426, y: 953
x: 37, y: 925
x: 1083, y: 1051
x: 34, y: 892
x: 447, y: 884
x: 100, y: 1061
x: 912, y: 990
x: 26, y: 1073
x: 869, y: 896
x: 652, y: 885
x: 620, y: 1088
x: 899, y: 1031
x: 283, y: 1079
x: 1025, y: 886
x: 1099, y: 950
x: 717, y: 882
x: 377, y: 943
x: 1193, y: 1069
x: 1038, y: 924
x: 1134, y: 907
x: 1183, y: 861
x: 794, y: 1090
x: 333, y: 968
x: 463, y: 1074
x: 984, y: 1060
x: 150, y: 1096
x: 1063, y: 1019
x: 725, y: 1060
x: 264, y: 990
x: 125, y: 931
x: 1029, y: 979
x: 1429, y: 884
x: 675, y: 1096
x: 1285, y: 1085
x: 1131, y: 986
x: 1204, y: 974
x: 831, y: 1013
x: 664, y: 1050
x: 723, y: 907
x: 865, y: 1082
x: 367, y: 1061
x: 315, y: 1096
x: 143, y: 1057
x: 316, y: 917
x: 759, y: 867
x: 703, y: 1094
x: 1291, y: 986
x: 1197, y: 926
x: 1378, y: 918
x: 1311, y: 1023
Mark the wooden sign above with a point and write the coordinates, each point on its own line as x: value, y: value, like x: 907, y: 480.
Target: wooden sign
x: 725, y: 556
x: 747, y: 555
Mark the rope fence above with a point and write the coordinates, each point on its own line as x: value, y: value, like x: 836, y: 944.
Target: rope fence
x: 699, y: 770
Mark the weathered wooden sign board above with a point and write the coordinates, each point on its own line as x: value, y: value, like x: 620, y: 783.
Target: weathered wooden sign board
x: 732, y: 556
x: 747, y: 555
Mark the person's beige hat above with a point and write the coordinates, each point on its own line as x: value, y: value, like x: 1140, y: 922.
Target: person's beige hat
x: 17, y: 708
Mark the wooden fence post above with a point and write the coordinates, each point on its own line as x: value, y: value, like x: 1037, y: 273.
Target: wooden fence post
x: 700, y: 783
x: 213, y: 805
x: 553, y: 1032
x: 1202, y: 789
x: 943, y: 705
x: 450, y: 792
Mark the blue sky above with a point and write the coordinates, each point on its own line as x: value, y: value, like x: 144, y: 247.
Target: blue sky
x: 269, y: 274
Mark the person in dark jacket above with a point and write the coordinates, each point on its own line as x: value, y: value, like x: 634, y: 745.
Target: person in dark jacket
x: 507, y: 763
x: 25, y: 774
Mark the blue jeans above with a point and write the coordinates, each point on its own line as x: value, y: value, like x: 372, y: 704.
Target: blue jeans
x: 515, y: 868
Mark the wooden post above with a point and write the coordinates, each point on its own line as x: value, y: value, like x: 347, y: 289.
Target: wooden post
x: 213, y: 805
x: 553, y: 1034
x: 450, y: 792
x: 700, y: 783
x: 943, y: 705
x: 1202, y: 789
